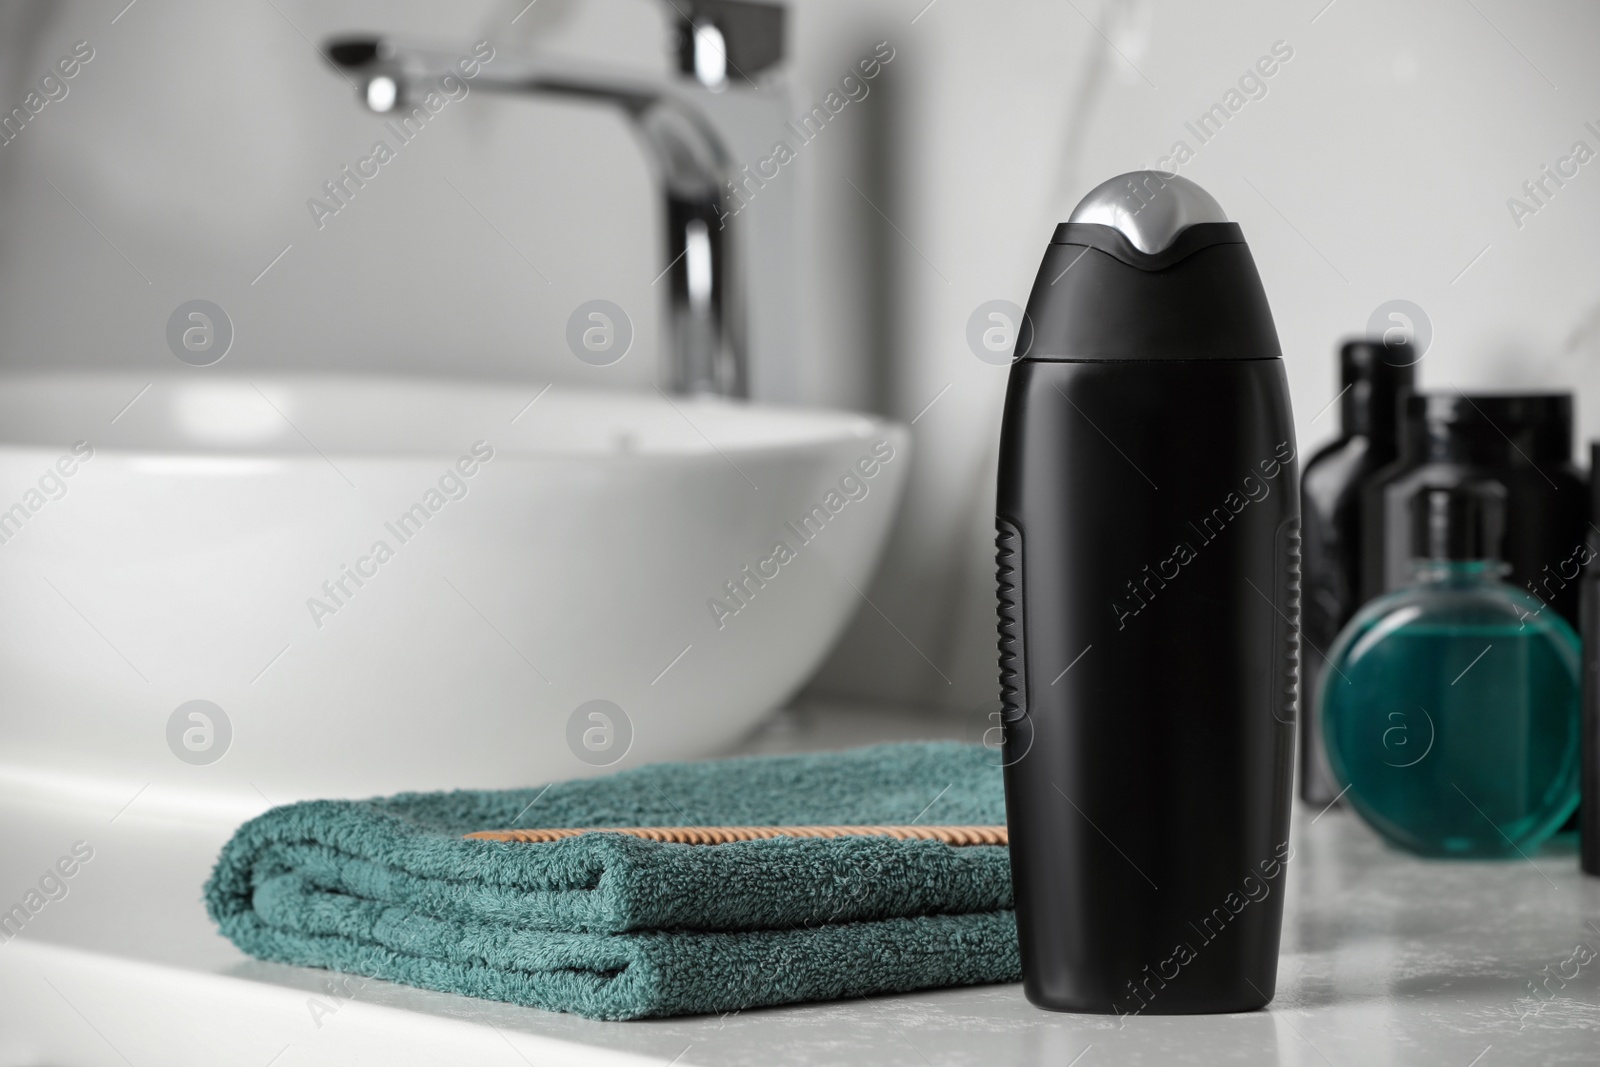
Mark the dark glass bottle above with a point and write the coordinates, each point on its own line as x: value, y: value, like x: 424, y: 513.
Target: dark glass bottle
x: 1451, y: 705
x: 1372, y: 376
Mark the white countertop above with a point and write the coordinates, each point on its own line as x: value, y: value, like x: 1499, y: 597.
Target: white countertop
x: 1386, y: 959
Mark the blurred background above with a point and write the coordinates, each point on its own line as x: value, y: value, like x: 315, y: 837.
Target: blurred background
x: 1382, y: 161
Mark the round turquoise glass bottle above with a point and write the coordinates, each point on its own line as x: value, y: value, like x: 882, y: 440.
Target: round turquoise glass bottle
x: 1451, y: 707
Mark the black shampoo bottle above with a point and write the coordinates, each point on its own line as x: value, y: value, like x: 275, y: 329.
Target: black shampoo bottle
x: 1149, y: 597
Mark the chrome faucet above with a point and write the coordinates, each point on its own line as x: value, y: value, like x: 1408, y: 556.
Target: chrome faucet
x: 720, y: 42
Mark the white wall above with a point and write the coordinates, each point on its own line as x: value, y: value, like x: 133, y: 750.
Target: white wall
x: 1376, y: 167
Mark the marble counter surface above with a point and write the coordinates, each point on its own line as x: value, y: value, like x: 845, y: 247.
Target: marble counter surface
x: 1386, y: 960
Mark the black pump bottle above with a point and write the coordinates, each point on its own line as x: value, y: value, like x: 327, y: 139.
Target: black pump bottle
x: 1149, y: 596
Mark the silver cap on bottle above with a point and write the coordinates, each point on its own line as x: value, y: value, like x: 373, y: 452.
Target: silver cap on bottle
x: 1149, y: 208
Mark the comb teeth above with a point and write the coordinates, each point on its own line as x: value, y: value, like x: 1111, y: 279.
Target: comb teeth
x: 725, y: 835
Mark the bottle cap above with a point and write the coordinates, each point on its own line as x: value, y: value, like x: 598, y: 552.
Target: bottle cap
x: 1489, y: 430
x: 1149, y: 268
x: 1458, y: 522
x: 1372, y: 375
x: 1147, y: 207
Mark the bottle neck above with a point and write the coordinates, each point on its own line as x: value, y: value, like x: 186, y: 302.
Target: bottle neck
x: 1458, y: 571
x: 1370, y: 409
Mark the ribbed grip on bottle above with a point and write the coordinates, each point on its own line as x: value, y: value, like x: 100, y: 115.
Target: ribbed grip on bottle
x: 1013, y: 676
x: 1286, y: 626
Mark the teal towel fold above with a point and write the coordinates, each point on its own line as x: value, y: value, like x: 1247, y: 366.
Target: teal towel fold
x: 614, y: 927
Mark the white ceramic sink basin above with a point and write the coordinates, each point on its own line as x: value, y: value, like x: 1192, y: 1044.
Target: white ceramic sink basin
x: 403, y: 584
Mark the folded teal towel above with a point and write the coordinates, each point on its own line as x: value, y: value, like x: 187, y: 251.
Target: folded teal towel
x: 615, y: 927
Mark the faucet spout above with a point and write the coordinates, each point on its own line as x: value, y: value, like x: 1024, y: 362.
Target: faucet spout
x: 705, y: 336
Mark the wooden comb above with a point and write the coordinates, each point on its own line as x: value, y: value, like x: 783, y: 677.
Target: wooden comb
x: 723, y: 835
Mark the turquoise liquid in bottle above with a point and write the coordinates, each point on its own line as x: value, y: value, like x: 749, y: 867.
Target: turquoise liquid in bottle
x: 1451, y: 707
